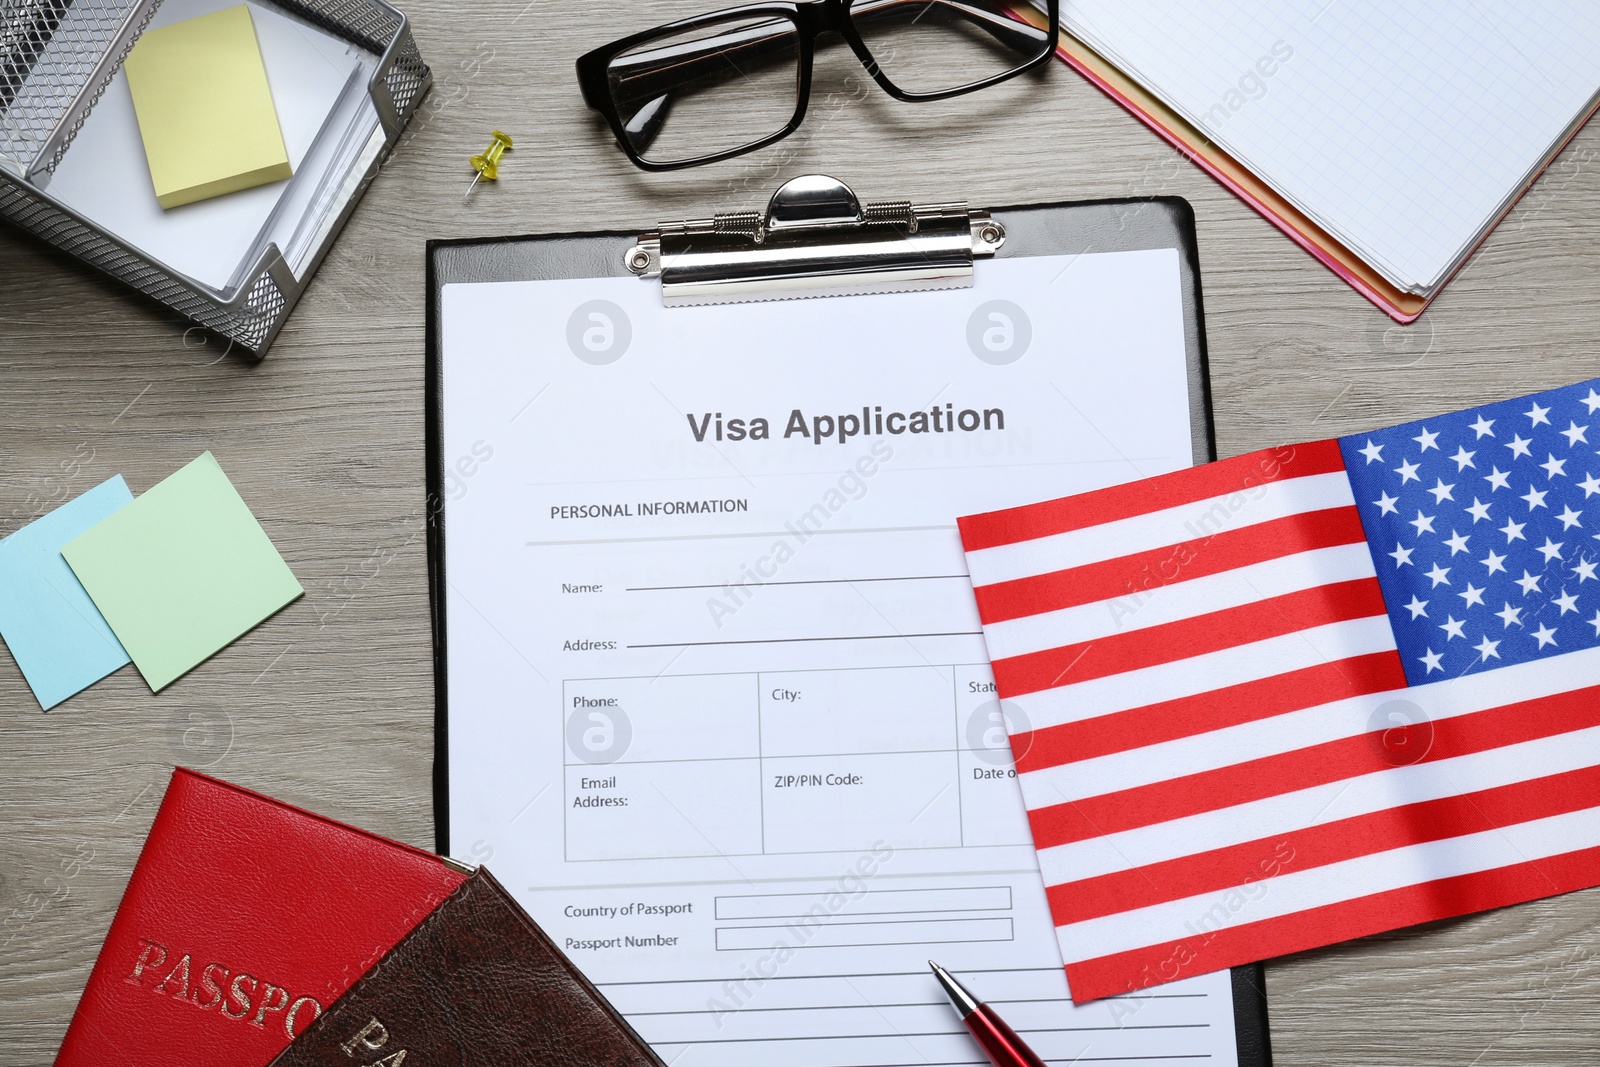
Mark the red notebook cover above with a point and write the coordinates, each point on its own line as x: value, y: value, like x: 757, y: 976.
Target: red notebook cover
x: 244, y: 919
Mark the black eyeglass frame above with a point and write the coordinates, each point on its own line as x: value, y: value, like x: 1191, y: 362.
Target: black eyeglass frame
x: 811, y: 18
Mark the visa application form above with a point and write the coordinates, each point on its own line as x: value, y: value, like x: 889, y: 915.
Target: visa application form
x: 720, y: 712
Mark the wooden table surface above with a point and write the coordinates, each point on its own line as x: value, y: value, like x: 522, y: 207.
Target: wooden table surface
x: 330, y: 703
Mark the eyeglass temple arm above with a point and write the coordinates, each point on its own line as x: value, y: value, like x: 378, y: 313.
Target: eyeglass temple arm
x: 656, y: 72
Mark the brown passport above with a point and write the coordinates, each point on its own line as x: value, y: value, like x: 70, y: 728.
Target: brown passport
x: 476, y: 982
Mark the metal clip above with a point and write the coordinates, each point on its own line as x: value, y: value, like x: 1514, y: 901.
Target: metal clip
x: 816, y: 239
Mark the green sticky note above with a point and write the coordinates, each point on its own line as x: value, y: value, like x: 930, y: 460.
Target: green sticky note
x: 181, y: 572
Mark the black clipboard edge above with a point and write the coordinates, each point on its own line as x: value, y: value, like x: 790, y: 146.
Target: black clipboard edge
x: 1252, y: 1032
x: 433, y: 458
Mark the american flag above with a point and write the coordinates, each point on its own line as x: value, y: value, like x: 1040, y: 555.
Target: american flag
x: 1306, y: 694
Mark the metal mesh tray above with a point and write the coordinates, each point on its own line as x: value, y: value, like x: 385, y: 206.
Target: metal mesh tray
x: 56, y: 59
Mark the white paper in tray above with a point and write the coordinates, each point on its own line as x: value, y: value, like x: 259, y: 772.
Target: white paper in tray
x: 104, y: 176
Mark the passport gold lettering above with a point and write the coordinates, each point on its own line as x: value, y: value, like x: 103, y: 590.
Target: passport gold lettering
x: 268, y: 1004
x: 210, y: 988
x: 150, y: 949
x: 371, y: 1037
x: 180, y: 972
x: 209, y: 984
x: 294, y: 1010
x: 237, y: 993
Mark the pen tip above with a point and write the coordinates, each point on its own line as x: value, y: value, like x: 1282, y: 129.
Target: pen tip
x: 965, y: 1003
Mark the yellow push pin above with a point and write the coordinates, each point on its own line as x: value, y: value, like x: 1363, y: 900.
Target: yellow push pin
x: 488, y: 164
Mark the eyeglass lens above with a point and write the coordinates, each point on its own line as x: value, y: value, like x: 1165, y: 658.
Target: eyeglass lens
x: 932, y: 46
x: 712, y: 88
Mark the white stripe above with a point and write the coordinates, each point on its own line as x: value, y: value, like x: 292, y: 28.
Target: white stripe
x: 1283, y: 815
x: 1296, y: 730
x: 1181, y: 600
x: 1214, y: 670
x: 1295, y: 891
x: 1157, y: 529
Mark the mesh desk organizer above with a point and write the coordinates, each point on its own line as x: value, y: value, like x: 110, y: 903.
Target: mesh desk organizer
x: 57, y: 59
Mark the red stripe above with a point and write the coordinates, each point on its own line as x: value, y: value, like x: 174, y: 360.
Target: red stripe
x: 1331, y: 761
x: 1236, y: 866
x: 1183, y: 638
x: 1236, y: 475
x: 1142, y: 571
x: 1052, y: 746
x: 1213, y: 950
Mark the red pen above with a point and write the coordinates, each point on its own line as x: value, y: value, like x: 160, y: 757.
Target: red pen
x: 1000, y: 1043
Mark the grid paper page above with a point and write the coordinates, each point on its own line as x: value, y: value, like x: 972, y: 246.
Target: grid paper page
x: 1403, y: 132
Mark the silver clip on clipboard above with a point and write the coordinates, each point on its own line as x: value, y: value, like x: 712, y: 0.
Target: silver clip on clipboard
x: 816, y: 239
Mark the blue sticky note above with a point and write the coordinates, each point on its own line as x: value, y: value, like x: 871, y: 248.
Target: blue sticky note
x: 51, y: 626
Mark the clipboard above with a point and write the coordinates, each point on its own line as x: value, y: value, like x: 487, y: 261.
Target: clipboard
x: 816, y: 239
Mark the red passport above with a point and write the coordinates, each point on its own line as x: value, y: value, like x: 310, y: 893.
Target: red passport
x: 244, y: 919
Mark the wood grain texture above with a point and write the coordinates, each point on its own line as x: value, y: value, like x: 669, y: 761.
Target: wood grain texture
x: 329, y: 704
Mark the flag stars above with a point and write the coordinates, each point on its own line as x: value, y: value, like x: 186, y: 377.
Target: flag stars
x: 1530, y: 564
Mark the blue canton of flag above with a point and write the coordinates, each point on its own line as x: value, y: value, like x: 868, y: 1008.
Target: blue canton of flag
x: 1484, y: 527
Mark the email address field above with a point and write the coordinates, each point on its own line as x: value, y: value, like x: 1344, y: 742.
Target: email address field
x: 787, y: 762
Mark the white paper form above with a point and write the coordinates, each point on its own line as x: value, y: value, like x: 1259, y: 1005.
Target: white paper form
x: 719, y: 709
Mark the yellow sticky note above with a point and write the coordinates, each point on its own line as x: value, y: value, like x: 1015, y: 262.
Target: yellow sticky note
x: 205, y: 109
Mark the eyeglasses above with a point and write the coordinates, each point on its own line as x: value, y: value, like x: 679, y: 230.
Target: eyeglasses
x: 719, y: 85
